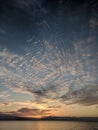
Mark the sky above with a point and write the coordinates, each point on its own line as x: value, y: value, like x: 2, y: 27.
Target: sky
x: 49, y: 58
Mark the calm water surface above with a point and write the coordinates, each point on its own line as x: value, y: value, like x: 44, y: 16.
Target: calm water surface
x: 47, y: 125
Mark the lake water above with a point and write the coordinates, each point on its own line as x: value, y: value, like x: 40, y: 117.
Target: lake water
x: 47, y: 125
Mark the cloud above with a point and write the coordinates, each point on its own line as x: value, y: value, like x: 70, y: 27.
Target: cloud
x: 4, y: 104
x: 93, y: 23
x: 86, y: 96
x: 4, y: 95
x: 33, y: 112
x: 27, y: 112
x: 47, y: 71
x: 54, y: 105
x: 88, y: 100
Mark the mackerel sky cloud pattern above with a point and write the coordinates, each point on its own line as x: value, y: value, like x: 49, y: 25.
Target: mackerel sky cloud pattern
x: 48, y: 57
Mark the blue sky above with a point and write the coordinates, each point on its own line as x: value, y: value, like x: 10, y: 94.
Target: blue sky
x: 49, y: 57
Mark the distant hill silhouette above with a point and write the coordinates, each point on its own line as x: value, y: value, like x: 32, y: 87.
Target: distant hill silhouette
x: 49, y: 118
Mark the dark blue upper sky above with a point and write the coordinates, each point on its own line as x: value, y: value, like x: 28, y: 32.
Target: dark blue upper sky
x: 46, y: 20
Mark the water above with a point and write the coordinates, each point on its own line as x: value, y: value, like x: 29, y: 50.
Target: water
x: 47, y: 125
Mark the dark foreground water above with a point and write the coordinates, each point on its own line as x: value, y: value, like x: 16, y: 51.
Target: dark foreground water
x: 47, y: 125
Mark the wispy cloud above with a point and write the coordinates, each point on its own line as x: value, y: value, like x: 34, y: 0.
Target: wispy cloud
x: 27, y: 112
x: 4, y: 95
x: 93, y: 23
x: 47, y: 71
x: 86, y: 96
x: 4, y: 104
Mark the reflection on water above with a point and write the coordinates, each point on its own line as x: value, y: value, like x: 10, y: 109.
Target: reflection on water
x: 47, y: 125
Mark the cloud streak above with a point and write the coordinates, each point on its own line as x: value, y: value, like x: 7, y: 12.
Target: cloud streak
x: 44, y: 74
x: 27, y: 112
